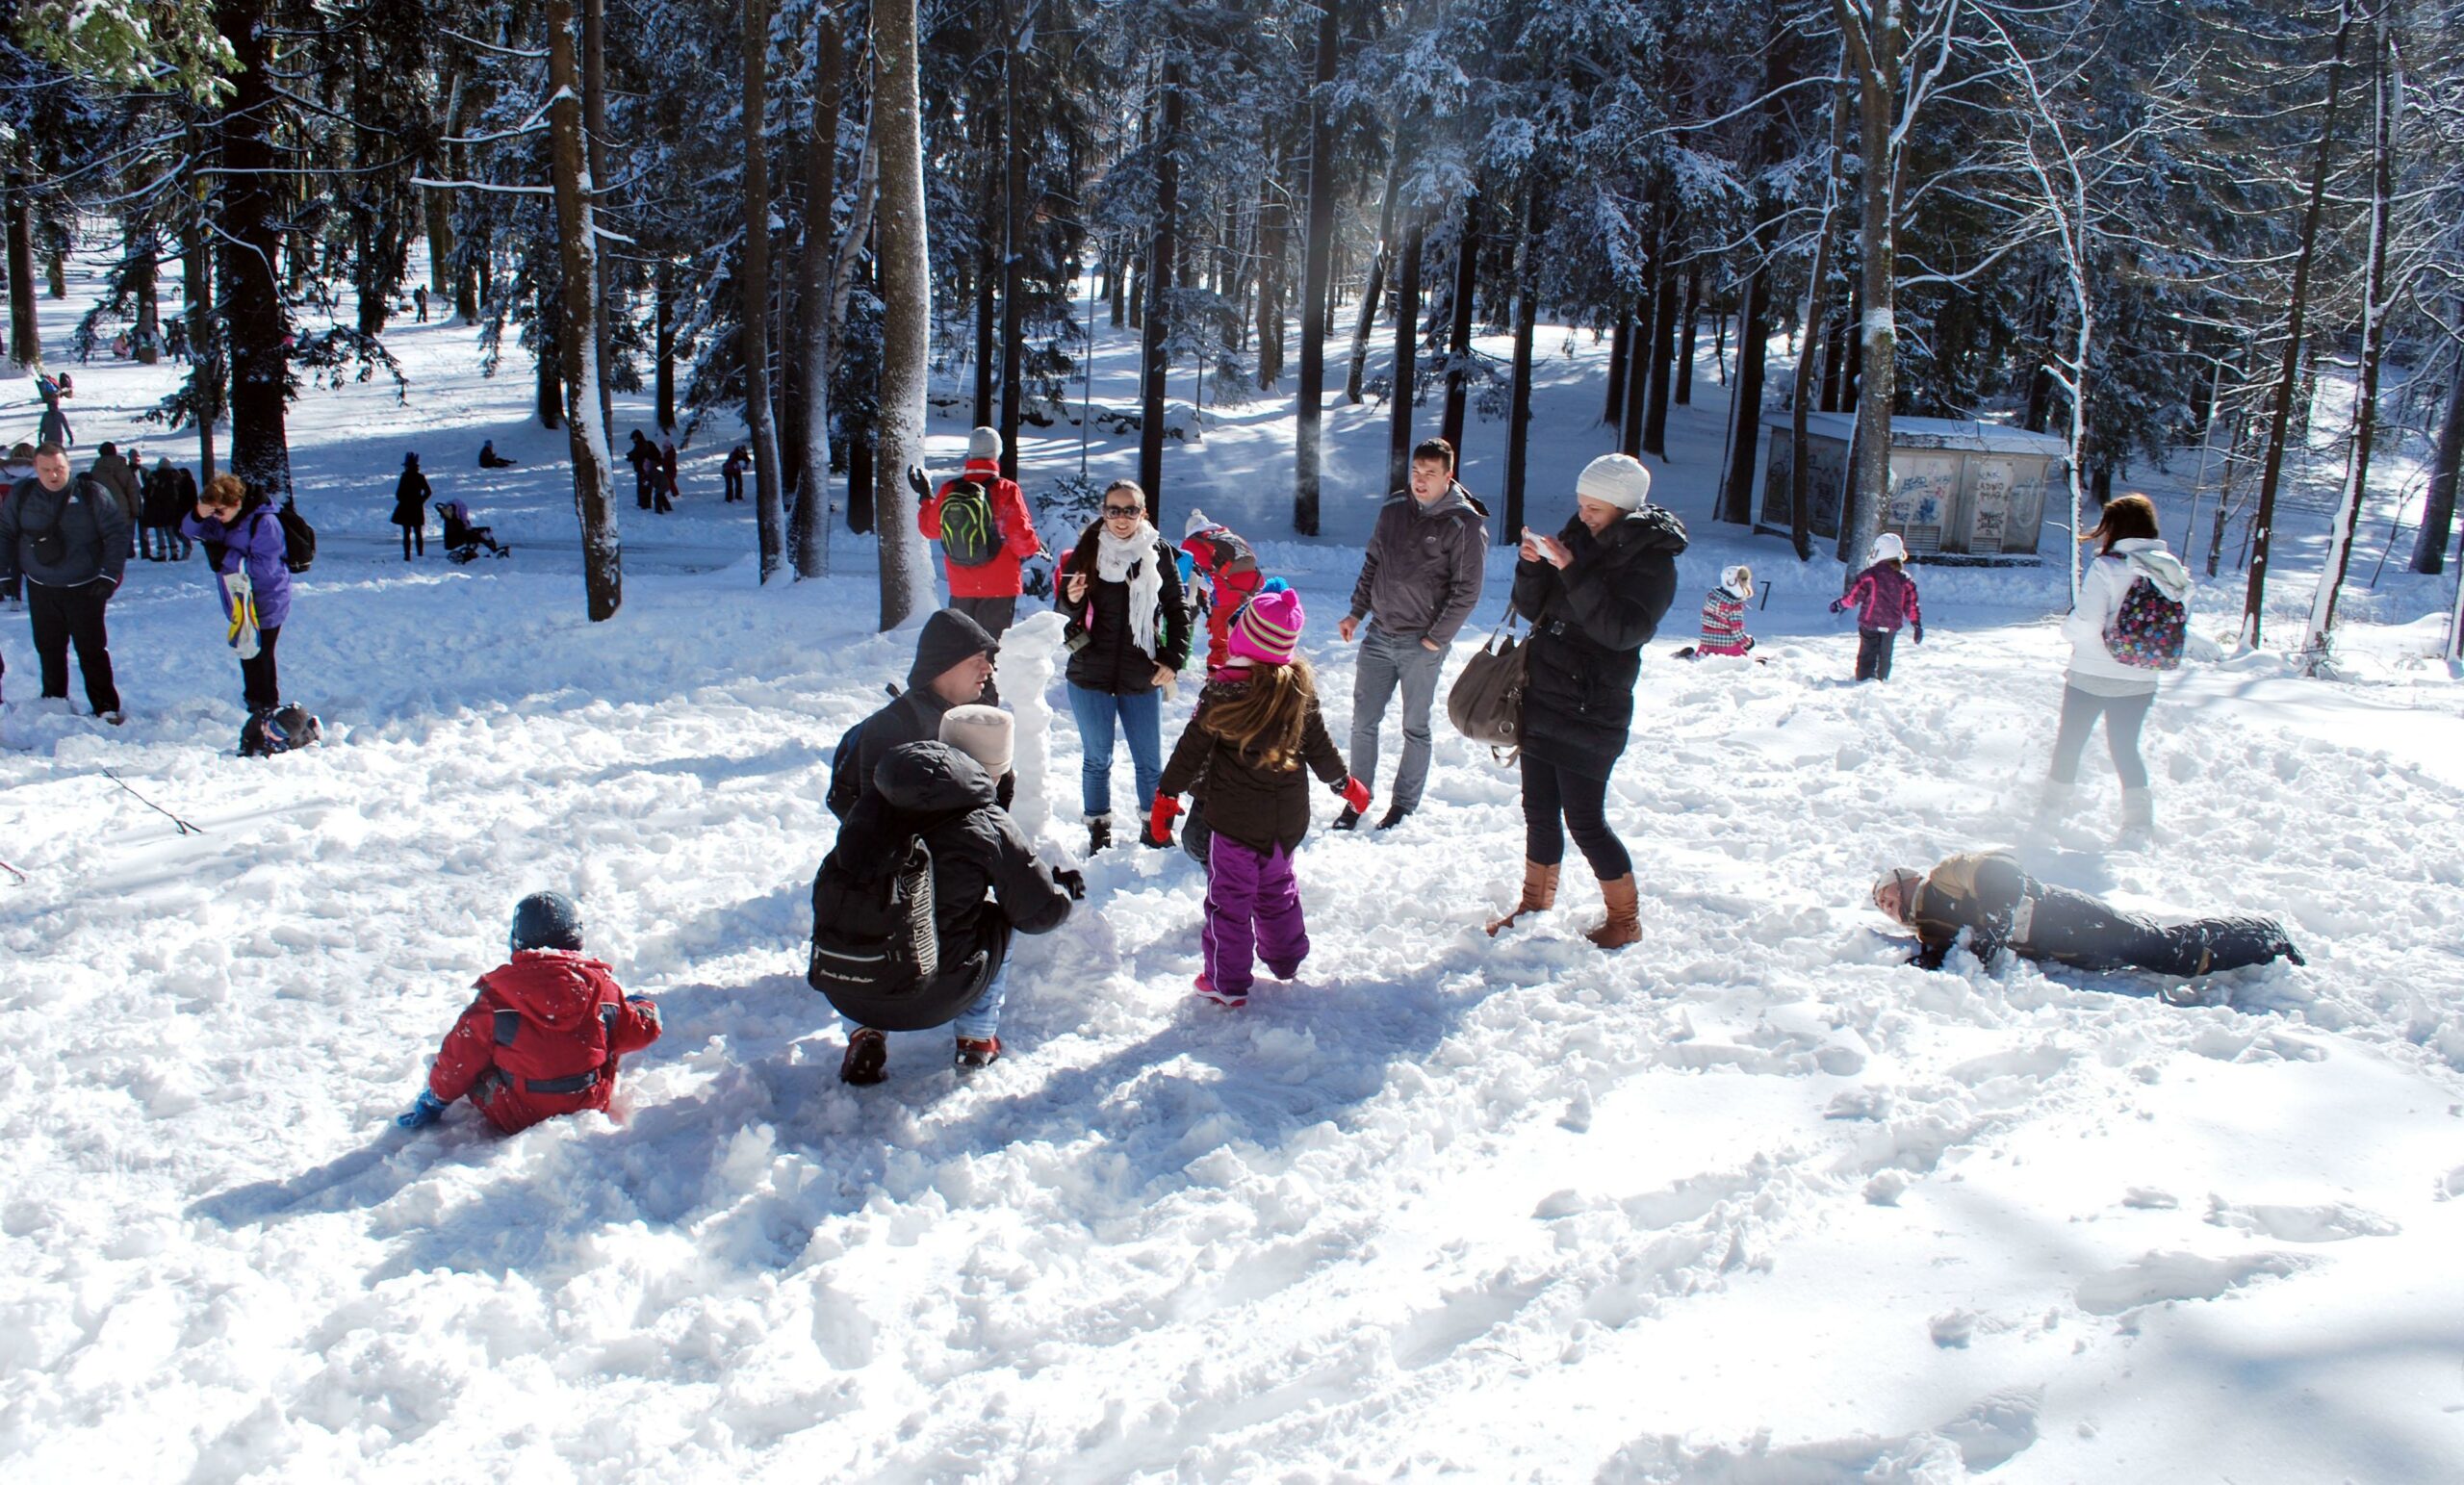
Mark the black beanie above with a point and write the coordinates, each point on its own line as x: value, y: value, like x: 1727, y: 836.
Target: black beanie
x: 547, y: 920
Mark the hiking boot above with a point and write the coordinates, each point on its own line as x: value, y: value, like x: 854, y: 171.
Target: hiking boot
x: 974, y: 1053
x: 1206, y: 990
x: 867, y: 1054
x: 1625, y: 922
x: 1396, y: 814
x: 1539, y: 895
x: 1099, y: 833
x: 1349, y: 820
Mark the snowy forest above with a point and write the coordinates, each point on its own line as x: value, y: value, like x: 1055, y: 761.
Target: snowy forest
x: 1651, y: 742
x: 2143, y: 228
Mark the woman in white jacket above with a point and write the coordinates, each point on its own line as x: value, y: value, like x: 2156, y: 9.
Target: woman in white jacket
x: 2097, y: 684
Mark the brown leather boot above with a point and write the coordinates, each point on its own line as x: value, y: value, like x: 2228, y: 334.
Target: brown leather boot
x: 1539, y: 895
x: 1625, y: 923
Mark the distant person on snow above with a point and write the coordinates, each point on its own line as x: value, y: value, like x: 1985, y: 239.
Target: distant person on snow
x: 113, y: 471
x: 419, y: 298
x: 1256, y: 728
x: 1595, y: 594
x: 1420, y: 579
x: 982, y: 523
x: 1222, y: 560
x: 1723, y: 615
x: 1884, y: 598
x: 1986, y: 896
x: 66, y: 534
x: 952, y: 662
x: 245, y: 547
x: 55, y: 390
x: 643, y: 456
x: 462, y: 539
x: 987, y: 885
x: 731, y: 474
x: 489, y: 459
x: 169, y: 495
x: 668, y: 492
x: 411, y: 495
x: 2126, y: 631
x: 545, y: 1034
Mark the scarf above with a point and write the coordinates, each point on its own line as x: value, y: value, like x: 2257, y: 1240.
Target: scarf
x: 1131, y: 559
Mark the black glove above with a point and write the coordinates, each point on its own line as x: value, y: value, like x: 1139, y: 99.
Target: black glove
x: 1075, y: 883
x: 916, y: 481
x: 1919, y: 631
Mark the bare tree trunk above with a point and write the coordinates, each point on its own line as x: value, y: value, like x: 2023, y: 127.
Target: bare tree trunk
x: 1810, y: 320
x: 1376, y: 288
x: 1458, y: 342
x: 1737, y: 501
x: 593, y: 115
x: 1527, y: 317
x: 25, y: 332
x: 143, y: 256
x: 1877, y: 52
x: 1013, y: 237
x: 2438, y: 513
x: 1621, y: 351
x: 817, y: 328
x: 1664, y: 354
x: 2289, y: 377
x: 770, y: 509
x: 1317, y: 275
x: 578, y: 253
x: 1161, y: 260
x: 1407, y: 342
x: 206, y: 365
x: 1691, y: 317
x: 906, y: 275
x: 2224, y: 498
x: 2375, y: 304
x: 259, y: 326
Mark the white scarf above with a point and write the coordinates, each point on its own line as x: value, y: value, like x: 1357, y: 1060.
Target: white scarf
x: 1131, y: 559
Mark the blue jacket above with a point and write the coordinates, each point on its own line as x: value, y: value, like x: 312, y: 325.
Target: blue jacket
x: 255, y: 538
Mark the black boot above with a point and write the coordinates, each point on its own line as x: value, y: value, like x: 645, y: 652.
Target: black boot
x: 1100, y: 833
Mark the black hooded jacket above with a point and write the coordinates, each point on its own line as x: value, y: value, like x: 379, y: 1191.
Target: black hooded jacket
x: 1102, y: 656
x: 986, y: 878
x: 1589, y: 624
x: 915, y: 716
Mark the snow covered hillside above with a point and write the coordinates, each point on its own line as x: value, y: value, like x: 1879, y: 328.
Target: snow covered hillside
x: 1752, y: 1201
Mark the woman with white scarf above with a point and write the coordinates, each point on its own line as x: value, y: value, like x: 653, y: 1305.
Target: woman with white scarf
x: 1128, y: 635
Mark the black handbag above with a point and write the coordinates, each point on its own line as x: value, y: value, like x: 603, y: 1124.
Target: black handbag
x: 1485, y: 704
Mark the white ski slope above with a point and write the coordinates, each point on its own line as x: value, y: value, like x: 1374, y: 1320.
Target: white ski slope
x: 1752, y: 1201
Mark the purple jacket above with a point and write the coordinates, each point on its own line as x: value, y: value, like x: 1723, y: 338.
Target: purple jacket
x: 1884, y: 598
x: 256, y: 539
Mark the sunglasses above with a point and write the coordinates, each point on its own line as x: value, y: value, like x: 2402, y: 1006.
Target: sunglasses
x: 1118, y: 511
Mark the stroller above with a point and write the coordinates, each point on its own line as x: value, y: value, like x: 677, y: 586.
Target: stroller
x: 462, y: 539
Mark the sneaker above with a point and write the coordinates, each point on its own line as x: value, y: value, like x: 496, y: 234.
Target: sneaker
x: 1396, y: 815
x: 974, y: 1053
x: 1349, y: 820
x: 1206, y: 990
x: 867, y: 1054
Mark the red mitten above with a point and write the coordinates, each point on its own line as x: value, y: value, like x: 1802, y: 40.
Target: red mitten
x: 1159, y: 820
x: 1356, y: 794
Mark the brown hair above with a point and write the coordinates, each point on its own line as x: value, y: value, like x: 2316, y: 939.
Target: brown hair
x: 1436, y: 450
x: 1265, y: 717
x: 2129, y: 518
x: 226, y: 490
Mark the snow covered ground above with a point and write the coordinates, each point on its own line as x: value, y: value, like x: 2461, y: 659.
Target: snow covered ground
x: 1752, y: 1200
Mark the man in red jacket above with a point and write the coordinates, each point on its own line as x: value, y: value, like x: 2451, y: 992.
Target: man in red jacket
x: 982, y: 523
x: 544, y: 1035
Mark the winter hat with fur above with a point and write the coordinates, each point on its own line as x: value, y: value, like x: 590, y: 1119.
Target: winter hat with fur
x: 984, y: 444
x: 984, y: 733
x: 1888, y: 548
x: 1616, y: 479
x: 1738, y: 581
x: 545, y: 920
x: 1267, y: 627
x: 1907, y: 879
x: 1199, y: 521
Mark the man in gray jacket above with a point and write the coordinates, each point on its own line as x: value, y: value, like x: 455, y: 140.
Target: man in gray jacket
x: 70, y: 540
x: 1419, y: 581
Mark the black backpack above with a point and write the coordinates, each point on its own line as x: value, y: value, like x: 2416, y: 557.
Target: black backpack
x: 298, y: 538
x: 970, y: 536
x: 873, y: 934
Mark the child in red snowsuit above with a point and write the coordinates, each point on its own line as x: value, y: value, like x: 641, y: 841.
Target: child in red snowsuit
x: 1217, y: 555
x: 545, y: 1032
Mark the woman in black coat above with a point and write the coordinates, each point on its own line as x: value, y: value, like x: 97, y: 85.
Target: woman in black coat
x: 1594, y: 593
x: 1128, y: 634
x: 410, y: 506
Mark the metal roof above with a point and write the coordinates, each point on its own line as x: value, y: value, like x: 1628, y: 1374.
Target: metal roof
x: 1932, y: 434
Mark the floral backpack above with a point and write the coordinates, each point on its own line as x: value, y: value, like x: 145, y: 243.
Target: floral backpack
x: 2146, y: 632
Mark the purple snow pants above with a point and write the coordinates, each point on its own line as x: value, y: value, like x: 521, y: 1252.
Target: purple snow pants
x: 1252, y: 906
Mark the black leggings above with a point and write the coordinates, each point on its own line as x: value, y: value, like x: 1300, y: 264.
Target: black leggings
x: 2073, y: 928
x: 414, y: 534
x: 2124, y: 716
x: 1558, y: 800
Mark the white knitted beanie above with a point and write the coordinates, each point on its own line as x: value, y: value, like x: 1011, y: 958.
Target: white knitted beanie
x: 1616, y: 479
x: 984, y: 444
x: 983, y: 733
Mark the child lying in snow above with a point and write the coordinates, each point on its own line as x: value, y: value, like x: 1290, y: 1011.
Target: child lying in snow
x: 545, y: 1032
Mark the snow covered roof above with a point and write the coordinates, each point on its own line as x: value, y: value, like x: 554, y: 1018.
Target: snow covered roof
x: 1931, y: 433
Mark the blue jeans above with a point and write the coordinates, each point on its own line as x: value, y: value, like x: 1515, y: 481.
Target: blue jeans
x: 982, y: 1019
x: 1141, y: 715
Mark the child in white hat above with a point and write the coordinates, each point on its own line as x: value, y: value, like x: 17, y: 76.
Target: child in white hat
x: 1884, y: 598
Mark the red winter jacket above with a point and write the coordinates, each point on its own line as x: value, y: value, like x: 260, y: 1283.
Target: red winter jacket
x: 998, y: 577
x: 542, y: 1038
